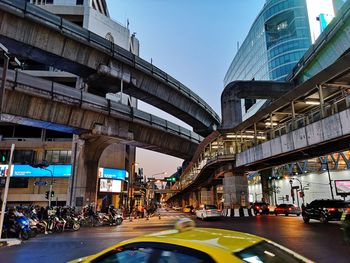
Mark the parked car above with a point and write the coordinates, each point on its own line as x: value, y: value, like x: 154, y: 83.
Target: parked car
x: 325, y: 210
x: 261, y: 208
x: 187, y: 243
x: 287, y: 209
x: 208, y: 211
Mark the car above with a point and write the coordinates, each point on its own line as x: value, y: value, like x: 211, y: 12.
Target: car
x: 325, y: 210
x: 287, y: 209
x: 208, y: 211
x: 187, y: 209
x: 186, y: 243
x: 177, y: 208
x: 261, y: 208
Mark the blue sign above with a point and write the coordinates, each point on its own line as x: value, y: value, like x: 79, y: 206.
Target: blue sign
x: 40, y: 183
x: 112, y: 173
x: 57, y: 170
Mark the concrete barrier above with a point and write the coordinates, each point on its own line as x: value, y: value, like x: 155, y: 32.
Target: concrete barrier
x: 237, y: 212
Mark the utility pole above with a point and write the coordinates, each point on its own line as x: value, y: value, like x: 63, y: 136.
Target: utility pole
x: 7, y: 184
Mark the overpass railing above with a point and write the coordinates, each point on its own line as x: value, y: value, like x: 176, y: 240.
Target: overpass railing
x: 72, y: 96
x: 83, y: 35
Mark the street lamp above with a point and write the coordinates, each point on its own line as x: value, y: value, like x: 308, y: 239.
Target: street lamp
x: 43, y: 165
x: 302, y: 189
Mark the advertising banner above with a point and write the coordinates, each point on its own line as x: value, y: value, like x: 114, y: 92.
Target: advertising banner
x: 111, y: 173
x: 58, y: 170
x: 342, y: 187
x: 110, y: 185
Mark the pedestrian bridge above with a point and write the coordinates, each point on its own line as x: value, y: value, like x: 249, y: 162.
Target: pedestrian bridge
x: 30, y: 32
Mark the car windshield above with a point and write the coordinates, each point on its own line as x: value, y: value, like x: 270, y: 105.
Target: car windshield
x: 266, y: 252
x: 210, y: 207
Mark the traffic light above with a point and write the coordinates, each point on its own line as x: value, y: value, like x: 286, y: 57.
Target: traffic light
x: 3, y: 156
x: 170, y: 179
x: 47, y: 194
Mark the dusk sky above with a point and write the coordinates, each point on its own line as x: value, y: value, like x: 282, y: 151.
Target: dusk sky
x: 192, y: 40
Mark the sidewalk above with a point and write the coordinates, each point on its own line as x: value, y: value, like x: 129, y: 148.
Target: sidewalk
x: 6, y: 242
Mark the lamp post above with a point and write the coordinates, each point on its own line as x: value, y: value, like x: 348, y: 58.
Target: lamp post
x: 51, y: 184
x: 301, y: 189
x: 329, y: 179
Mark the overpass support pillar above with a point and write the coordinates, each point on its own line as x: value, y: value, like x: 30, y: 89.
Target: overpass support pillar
x: 206, y: 197
x: 235, y: 190
x: 83, y: 183
x: 264, y: 175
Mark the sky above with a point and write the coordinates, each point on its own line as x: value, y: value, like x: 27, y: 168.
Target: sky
x: 194, y: 41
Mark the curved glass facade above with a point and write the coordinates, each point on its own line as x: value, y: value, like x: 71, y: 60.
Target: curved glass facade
x: 278, y: 38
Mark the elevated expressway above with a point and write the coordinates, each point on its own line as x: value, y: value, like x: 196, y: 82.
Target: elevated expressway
x: 33, y: 33
x: 309, y: 120
x: 41, y: 103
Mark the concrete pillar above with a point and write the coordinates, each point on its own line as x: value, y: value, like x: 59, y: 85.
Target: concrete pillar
x: 235, y: 190
x: 83, y: 183
x: 264, y: 175
x: 206, y: 196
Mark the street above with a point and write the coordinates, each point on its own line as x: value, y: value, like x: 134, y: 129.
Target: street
x: 319, y: 242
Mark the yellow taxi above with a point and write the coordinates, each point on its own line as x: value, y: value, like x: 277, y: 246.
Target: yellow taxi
x: 187, y: 243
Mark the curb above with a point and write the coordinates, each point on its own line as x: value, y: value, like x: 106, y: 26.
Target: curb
x: 10, y: 242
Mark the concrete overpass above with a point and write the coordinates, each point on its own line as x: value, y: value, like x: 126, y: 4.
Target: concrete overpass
x: 31, y: 32
x: 307, y: 116
x: 98, y: 122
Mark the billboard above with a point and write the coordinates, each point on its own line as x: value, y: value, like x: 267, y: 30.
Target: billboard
x: 58, y: 170
x: 111, y: 173
x: 342, y: 187
x: 110, y: 185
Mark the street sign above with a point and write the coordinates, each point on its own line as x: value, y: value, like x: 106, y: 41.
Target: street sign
x: 40, y: 183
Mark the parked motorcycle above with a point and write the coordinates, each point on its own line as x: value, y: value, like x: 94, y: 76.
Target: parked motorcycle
x: 16, y: 225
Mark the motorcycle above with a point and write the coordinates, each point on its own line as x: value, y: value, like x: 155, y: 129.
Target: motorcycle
x: 72, y: 223
x: 17, y: 225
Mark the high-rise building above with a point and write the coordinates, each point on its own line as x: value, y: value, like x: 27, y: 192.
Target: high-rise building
x: 280, y: 35
x: 35, y: 144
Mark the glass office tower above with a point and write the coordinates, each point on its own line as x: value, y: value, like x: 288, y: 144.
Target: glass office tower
x: 278, y: 38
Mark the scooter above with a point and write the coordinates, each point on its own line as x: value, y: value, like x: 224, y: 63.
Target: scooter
x: 17, y: 227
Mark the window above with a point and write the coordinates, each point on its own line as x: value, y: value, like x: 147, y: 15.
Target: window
x: 58, y: 156
x: 266, y: 252
x: 23, y: 156
x: 154, y: 252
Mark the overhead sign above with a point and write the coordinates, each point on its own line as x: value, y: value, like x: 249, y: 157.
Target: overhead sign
x: 111, y: 173
x: 40, y: 183
x: 58, y: 170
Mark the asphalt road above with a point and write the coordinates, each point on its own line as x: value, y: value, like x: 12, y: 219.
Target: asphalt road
x: 319, y: 242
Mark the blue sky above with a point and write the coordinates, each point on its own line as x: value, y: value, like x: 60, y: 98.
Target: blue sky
x: 193, y: 41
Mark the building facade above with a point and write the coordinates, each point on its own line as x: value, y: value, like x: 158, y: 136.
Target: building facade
x: 280, y: 35
x: 32, y: 145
